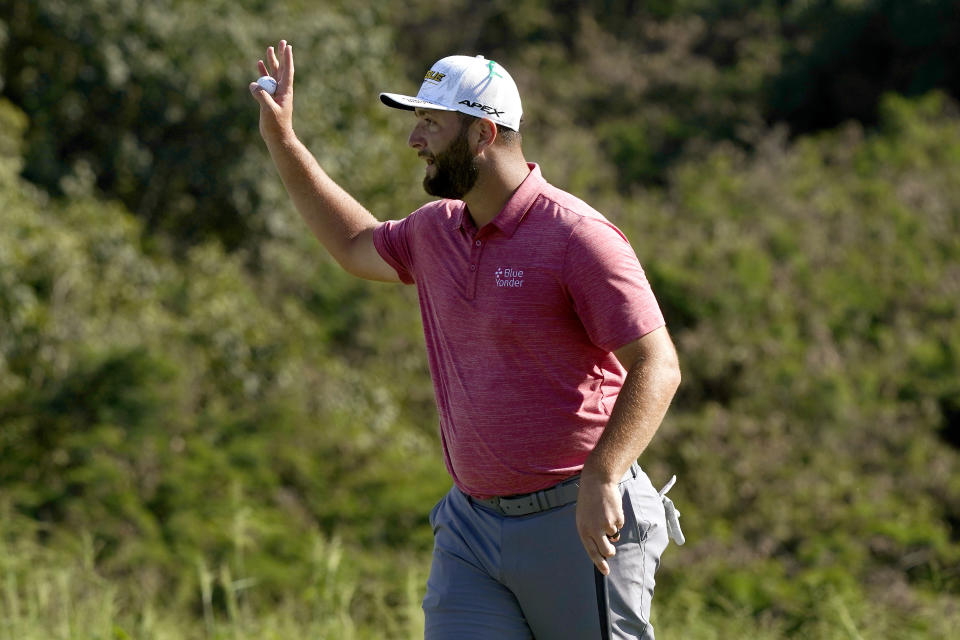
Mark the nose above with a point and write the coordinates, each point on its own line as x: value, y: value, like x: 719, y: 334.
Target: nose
x: 416, y: 139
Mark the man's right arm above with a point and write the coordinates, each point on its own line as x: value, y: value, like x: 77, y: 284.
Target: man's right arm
x: 341, y: 223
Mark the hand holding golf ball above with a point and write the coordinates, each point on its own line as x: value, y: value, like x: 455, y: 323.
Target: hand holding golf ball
x: 268, y: 84
x: 273, y: 90
x: 276, y: 74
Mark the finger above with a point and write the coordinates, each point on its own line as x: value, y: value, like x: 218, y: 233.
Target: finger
x: 602, y: 567
x: 288, y: 65
x: 272, y: 59
x: 596, y: 557
x: 605, y: 547
x: 261, y: 96
x: 600, y: 563
x: 281, y: 50
x: 262, y: 68
x: 612, y: 529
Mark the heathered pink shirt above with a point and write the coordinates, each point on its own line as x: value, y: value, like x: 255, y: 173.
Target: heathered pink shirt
x: 520, y: 319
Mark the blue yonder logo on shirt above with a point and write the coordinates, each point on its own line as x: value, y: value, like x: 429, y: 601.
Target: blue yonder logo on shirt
x: 508, y: 277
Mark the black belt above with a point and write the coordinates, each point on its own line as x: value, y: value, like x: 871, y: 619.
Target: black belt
x: 556, y: 496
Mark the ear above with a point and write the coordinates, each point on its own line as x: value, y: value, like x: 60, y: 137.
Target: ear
x: 484, y: 133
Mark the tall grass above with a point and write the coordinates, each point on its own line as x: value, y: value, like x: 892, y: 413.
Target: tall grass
x: 53, y: 590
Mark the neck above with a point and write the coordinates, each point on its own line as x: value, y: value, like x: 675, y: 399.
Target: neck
x: 494, y: 188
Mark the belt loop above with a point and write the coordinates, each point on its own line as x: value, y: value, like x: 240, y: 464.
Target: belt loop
x: 542, y: 500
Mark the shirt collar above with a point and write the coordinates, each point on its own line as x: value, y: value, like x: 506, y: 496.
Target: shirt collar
x: 515, y: 208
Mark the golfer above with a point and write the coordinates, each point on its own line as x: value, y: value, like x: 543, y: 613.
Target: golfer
x: 550, y: 361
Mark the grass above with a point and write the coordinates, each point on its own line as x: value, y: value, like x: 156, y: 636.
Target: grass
x: 57, y: 593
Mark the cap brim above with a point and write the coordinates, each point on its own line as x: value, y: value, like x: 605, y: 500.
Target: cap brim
x: 409, y: 103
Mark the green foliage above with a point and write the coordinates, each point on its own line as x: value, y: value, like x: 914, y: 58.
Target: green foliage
x: 853, y: 54
x: 207, y: 430
x: 181, y: 410
x: 820, y: 345
x: 121, y: 91
x: 649, y: 82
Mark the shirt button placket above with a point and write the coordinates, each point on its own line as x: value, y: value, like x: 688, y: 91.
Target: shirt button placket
x: 474, y: 268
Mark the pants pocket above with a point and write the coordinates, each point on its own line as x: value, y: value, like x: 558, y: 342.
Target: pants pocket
x: 631, y: 581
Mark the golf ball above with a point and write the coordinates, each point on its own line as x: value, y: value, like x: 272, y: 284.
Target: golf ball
x: 268, y: 84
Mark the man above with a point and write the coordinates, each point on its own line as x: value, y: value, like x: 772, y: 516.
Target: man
x: 550, y: 360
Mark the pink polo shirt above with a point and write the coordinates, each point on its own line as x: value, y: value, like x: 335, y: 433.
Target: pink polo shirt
x: 520, y: 319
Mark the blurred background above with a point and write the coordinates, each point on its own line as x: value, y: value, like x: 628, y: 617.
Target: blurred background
x: 208, y: 431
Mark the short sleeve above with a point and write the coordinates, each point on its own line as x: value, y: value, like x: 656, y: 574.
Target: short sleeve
x: 392, y: 241
x: 607, y: 286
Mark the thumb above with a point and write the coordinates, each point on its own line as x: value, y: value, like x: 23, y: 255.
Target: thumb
x: 261, y: 96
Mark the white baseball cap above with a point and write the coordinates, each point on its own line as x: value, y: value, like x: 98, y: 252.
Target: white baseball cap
x: 474, y: 86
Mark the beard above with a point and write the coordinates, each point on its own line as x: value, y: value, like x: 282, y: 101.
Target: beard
x: 456, y: 170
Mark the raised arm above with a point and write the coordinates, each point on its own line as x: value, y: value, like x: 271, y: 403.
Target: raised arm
x: 341, y: 223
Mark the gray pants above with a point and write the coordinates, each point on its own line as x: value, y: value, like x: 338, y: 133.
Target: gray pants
x: 497, y: 577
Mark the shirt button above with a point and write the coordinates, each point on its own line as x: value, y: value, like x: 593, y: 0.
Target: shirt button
x: 479, y: 243
x: 473, y: 267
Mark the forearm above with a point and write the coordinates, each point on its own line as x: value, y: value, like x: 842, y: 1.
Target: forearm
x: 341, y: 224
x: 640, y: 408
x: 652, y: 379
x: 332, y: 214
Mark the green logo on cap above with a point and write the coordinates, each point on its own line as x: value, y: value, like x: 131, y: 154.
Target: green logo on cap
x: 492, y: 72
